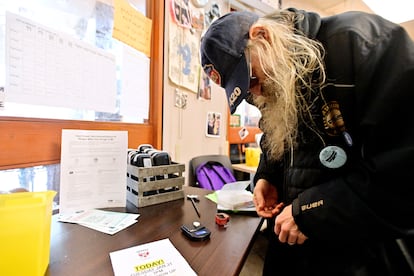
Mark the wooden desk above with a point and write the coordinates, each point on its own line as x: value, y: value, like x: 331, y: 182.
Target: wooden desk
x: 78, y: 250
x: 244, y: 168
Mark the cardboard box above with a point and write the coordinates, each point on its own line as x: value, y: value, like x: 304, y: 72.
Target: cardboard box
x: 154, y: 185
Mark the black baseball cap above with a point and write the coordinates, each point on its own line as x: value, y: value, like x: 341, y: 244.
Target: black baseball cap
x: 222, y: 54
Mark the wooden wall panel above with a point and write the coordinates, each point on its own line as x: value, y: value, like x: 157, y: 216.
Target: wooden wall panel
x: 35, y: 142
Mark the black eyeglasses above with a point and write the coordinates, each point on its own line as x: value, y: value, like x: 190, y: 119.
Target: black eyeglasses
x: 253, y: 79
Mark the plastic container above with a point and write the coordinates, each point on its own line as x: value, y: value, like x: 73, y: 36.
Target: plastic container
x: 234, y: 199
x: 25, y: 220
x: 252, y: 156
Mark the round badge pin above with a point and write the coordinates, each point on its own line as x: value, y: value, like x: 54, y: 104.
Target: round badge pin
x: 332, y: 157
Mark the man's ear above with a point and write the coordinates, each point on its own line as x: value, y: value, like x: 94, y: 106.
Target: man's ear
x: 258, y: 31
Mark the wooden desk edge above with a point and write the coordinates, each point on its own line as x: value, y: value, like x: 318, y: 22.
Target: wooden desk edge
x: 244, y: 168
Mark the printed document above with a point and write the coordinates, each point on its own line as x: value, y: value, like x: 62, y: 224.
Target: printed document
x: 93, y: 169
x: 154, y: 258
x: 100, y: 220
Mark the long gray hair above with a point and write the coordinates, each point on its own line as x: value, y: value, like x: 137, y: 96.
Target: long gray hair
x: 290, y: 61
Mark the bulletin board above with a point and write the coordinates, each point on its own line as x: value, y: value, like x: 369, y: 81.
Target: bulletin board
x: 184, y: 46
x: 186, y: 26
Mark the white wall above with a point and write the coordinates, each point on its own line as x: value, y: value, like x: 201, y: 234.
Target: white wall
x: 184, y: 130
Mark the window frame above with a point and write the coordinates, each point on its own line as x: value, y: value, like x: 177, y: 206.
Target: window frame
x: 26, y: 142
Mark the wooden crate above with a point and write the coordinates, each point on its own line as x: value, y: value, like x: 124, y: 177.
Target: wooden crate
x: 149, y: 186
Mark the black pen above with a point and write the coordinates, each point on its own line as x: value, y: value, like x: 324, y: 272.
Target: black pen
x: 195, y: 207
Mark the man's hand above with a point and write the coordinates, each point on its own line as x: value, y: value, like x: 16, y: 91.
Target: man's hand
x: 265, y: 199
x: 286, y: 228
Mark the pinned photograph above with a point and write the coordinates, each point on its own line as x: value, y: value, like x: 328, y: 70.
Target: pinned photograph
x: 235, y: 120
x: 204, y: 89
x: 213, y: 124
x: 243, y: 132
x: 181, y: 14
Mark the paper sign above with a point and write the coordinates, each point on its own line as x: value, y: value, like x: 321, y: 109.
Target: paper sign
x: 132, y: 27
x: 154, y: 258
x: 93, y: 169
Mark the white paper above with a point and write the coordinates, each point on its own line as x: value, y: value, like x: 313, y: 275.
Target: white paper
x: 135, y: 81
x: 154, y: 258
x: 1, y: 97
x: 104, y: 221
x: 47, y: 67
x: 110, y: 230
x: 93, y: 169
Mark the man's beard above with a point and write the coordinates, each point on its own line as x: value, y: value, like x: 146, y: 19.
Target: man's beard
x: 279, y: 119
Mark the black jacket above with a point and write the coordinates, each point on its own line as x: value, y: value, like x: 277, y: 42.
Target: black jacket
x: 369, y: 200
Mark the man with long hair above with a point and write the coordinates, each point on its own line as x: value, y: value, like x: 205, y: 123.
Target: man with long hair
x: 335, y: 177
